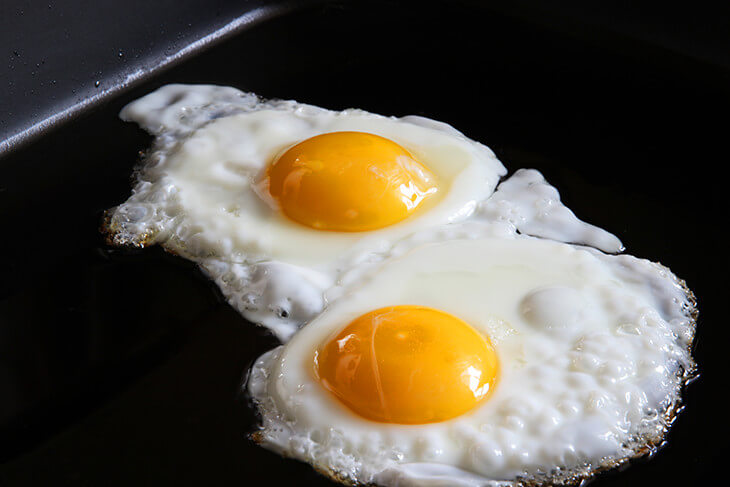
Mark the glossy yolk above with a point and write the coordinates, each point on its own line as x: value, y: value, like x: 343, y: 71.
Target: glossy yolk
x: 348, y: 182
x: 408, y: 365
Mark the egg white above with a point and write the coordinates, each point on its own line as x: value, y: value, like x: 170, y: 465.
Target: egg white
x: 593, y: 352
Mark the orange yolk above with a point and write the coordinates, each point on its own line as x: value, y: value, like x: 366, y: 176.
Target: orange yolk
x: 348, y: 182
x: 408, y: 365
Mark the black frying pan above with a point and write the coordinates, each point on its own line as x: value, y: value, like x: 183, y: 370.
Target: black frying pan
x: 123, y: 368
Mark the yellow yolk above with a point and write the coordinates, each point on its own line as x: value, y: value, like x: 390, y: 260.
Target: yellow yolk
x: 348, y: 182
x: 408, y: 365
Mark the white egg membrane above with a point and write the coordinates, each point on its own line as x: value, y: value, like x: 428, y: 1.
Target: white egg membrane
x: 198, y: 194
x: 593, y: 350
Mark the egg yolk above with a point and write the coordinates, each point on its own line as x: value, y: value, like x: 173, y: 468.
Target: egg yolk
x: 348, y: 182
x: 408, y: 365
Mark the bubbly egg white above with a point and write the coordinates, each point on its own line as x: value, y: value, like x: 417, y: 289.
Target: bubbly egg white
x: 593, y: 352
x: 195, y: 194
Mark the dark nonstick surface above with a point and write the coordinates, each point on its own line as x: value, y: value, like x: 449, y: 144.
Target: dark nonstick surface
x: 123, y: 368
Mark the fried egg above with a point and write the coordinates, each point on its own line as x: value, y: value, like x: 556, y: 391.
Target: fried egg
x: 256, y: 193
x: 275, y: 199
x: 478, y: 356
x: 459, y: 330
